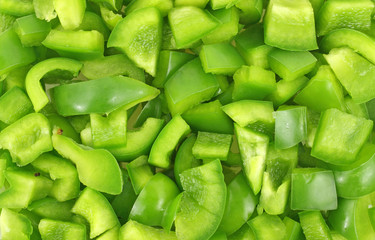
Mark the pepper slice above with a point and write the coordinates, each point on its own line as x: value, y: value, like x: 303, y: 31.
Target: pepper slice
x: 268, y: 227
x: 52, y: 208
x: 14, y: 225
x: 70, y: 12
x: 51, y: 229
x: 27, y: 138
x: 167, y: 140
x: 314, y: 226
x: 139, y: 172
x: 133, y: 230
x: 10, y: 110
x: 97, y: 168
x: 33, y: 86
x: 66, y: 184
x: 139, y: 36
x: 105, y: 95
x: 139, y: 141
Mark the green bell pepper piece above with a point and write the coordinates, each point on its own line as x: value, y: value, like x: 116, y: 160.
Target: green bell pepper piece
x: 335, y: 14
x: 356, y: 180
x: 290, y: 65
x: 106, y: 95
x: 80, y: 45
x: 16, y: 7
x: 154, y: 199
x: 31, y: 30
x: 110, y: 18
x: 268, y: 227
x: 290, y: 126
x: 196, y: 3
x: 352, y: 219
x: 253, y: 148
x: 6, y: 21
x: 170, y: 213
x: 133, y: 230
x: 276, y: 178
x: 290, y: 26
x: 293, y: 229
x: 188, y: 87
x: 61, y: 125
x: 285, y: 90
x: 70, y: 12
x: 10, y: 110
x: 184, y: 158
x: 52, y: 229
x: 356, y: 109
x: 97, y: 168
x: 14, y: 225
x: 313, y: 189
x: 96, y: 209
x: 208, y: 117
x: 250, y: 10
x: 322, y: 92
x: 16, y: 78
x: 110, y: 66
x: 354, y: 72
x: 5, y: 163
x: 12, y: 53
x: 52, y: 209
x: 152, y: 109
x: 167, y: 140
x: 189, y: 24
x: 66, y: 184
x: 240, y: 205
x: 218, y: 4
x: 115, y: 5
x: 139, y: 141
x: 139, y: 173
x: 212, y: 146
x: 33, y: 86
x: 250, y: 44
x: 200, y: 214
x: 123, y: 203
x: 110, y: 131
x: 92, y: 21
x: 257, y: 115
x: 143, y: 37
x: 169, y: 62
x: 244, y: 233
x: 253, y: 82
x: 314, y: 226
x: 111, y: 234
x: 228, y: 28
x: 340, y: 136
x: 27, y: 138
x: 220, y: 58
x: 44, y: 9
x: 25, y: 187
x: 164, y: 6
x: 359, y: 41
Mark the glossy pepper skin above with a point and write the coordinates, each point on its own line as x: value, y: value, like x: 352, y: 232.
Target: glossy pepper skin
x: 105, y: 95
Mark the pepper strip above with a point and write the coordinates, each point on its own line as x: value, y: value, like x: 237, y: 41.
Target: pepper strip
x: 33, y: 87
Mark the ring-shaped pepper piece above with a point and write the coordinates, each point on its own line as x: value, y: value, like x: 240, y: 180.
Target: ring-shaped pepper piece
x: 33, y: 86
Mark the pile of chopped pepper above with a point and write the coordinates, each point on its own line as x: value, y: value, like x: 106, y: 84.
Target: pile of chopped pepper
x: 187, y: 119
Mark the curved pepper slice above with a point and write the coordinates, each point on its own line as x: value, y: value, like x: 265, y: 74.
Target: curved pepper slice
x: 358, y: 41
x: 133, y: 230
x: 105, y: 95
x: 200, y: 214
x: 167, y: 140
x: 52, y: 229
x: 52, y: 208
x: 139, y: 35
x: 240, y: 205
x: 153, y: 200
x: 96, y: 209
x: 25, y: 187
x: 14, y: 225
x: 33, y: 87
x: 139, y: 141
x: 97, y: 168
x: 27, y: 138
x: 66, y: 184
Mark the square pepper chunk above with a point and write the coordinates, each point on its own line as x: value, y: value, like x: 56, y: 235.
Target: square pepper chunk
x: 340, y: 136
x: 212, y: 146
x: 313, y: 189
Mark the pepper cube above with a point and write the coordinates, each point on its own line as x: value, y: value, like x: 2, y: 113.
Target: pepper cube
x: 212, y: 146
x: 340, y: 136
x: 313, y: 189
